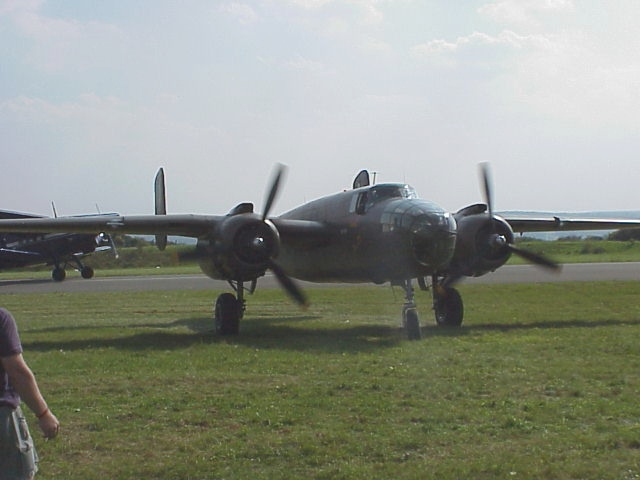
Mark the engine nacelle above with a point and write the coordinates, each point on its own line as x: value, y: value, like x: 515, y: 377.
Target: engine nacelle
x: 240, y: 249
x: 481, y: 244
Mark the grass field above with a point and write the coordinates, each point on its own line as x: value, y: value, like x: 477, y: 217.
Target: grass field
x: 542, y: 382
x: 150, y: 261
x: 584, y: 251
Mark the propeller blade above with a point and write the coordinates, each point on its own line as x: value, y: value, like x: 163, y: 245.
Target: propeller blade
x: 273, y: 191
x: 485, y: 173
x: 535, y: 258
x: 289, y: 285
x: 113, y: 246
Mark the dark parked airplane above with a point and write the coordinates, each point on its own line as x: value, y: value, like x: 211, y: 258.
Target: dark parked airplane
x: 18, y: 250
x: 372, y: 233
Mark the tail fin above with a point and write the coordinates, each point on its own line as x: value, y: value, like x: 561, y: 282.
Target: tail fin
x: 160, y: 205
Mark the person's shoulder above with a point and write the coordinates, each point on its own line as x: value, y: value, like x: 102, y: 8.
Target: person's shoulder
x: 5, y: 316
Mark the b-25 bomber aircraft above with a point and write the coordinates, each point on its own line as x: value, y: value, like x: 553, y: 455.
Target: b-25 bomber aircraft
x: 372, y: 233
x: 18, y: 250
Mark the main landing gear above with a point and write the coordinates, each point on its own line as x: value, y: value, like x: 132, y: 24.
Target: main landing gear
x: 58, y: 274
x: 447, y: 306
x: 229, y: 309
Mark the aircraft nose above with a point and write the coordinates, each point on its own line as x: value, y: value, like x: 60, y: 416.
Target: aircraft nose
x: 433, y: 239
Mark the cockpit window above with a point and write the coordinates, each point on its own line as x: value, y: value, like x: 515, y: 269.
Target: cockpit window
x: 381, y: 192
x: 368, y: 198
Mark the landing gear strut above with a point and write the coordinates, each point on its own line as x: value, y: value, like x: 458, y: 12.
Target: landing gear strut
x: 410, y: 320
x: 229, y: 310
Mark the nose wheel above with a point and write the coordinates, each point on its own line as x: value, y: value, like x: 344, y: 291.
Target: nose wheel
x: 410, y: 320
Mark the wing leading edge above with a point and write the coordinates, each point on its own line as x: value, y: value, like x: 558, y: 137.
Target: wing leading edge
x: 188, y: 225
x: 179, y: 225
x: 556, y: 223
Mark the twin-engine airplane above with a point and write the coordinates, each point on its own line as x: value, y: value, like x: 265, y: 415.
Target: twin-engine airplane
x: 18, y: 250
x: 372, y: 233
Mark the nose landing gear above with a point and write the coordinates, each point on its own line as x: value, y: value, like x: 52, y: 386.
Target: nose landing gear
x: 447, y: 306
x: 410, y: 320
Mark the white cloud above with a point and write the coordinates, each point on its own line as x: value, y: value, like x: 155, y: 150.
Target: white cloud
x: 301, y: 64
x: 10, y: 7
x: 573, y: 82
x: 366, y: 11
x: 523, y: 12
x: 507, y: 39
x: 58, y: 44
x: 223, y: 87
x: 244, y: 13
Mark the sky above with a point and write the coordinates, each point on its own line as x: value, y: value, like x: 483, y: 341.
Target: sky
x: 95, y: 96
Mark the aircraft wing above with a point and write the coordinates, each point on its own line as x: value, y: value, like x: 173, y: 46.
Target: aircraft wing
x: 13, y: 254
x: 180, y: 225
x: 556, y: 223
x: 8, y: 214
x: 188, y: 225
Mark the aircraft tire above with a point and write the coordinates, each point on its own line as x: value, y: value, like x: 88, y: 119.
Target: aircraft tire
x: 449, y: 308
x: 412, y: 324
x: 58, y: 274
x: 227, y: 314
x: 87, y: 272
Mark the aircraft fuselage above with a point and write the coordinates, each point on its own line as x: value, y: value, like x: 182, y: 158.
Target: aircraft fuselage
x: 380, y: 233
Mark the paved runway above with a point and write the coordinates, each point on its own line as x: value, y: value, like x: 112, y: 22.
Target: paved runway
x: 584, y: 272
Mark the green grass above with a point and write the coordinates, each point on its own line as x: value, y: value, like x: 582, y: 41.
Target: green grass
x: 541, y: 382
x: 583, y: 251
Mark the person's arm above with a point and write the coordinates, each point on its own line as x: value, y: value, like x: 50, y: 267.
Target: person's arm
x: 24, y: 382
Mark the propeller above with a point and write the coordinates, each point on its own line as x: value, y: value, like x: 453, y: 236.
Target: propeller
x: 273, y: 191
x: 499, y: 241
x: 288, y: 284
x: 285, y: 281
x: 485, y: 174
x: 113, y: 245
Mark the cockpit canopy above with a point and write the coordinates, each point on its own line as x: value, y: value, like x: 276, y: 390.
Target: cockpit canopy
x: 391, y: 190
x: 383, y: 191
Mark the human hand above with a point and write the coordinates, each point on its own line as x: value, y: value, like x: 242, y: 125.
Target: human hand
x: 49, y: 425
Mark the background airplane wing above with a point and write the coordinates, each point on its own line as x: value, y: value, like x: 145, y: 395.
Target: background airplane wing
x: 556, y: 223
x: 7, y: 214
x: 13, y: 255
x: 179, y: 225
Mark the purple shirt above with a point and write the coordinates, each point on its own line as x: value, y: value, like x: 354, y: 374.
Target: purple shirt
x: 9, y: 346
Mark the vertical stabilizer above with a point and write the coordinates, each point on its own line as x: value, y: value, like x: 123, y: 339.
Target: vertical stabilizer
x: 160, y: 205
